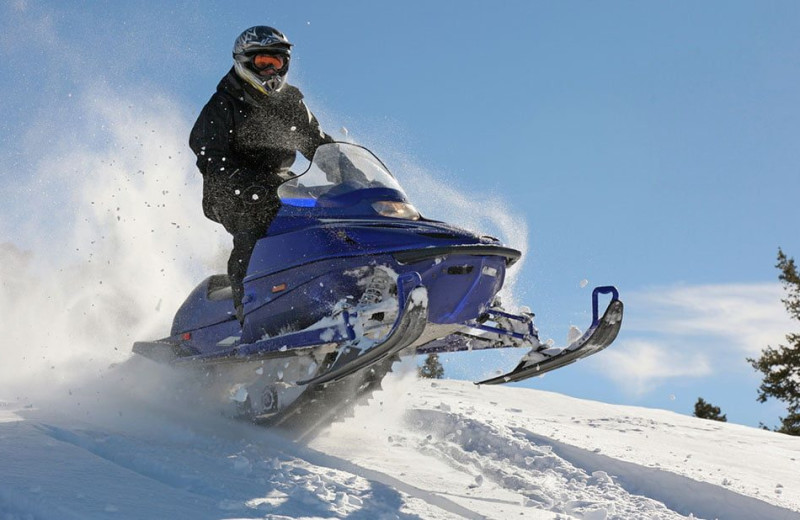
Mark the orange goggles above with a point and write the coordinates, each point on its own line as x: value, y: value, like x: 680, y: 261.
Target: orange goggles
x: 264, y: 61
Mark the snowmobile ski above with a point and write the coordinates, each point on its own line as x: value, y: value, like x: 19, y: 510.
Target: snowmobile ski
x: 600, y: 334
x: 362, y: 352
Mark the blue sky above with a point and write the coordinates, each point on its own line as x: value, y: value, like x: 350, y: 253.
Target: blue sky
x: 649, y: 145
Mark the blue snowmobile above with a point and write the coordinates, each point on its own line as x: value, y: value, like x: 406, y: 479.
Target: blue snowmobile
x: 349, y: 278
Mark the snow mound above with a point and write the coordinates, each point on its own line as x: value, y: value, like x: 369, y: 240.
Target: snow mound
x: 421, y: 449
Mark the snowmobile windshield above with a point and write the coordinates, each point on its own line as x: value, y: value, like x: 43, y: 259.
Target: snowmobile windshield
x: 337, y: 169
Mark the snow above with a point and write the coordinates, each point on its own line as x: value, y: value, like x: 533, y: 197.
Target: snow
x: 574, y: 334
x: 138, y: 443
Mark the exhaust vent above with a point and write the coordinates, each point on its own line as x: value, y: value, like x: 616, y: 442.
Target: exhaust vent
x: 460, y: 269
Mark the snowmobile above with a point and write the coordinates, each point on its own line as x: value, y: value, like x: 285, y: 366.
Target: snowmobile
x: 348, y: 278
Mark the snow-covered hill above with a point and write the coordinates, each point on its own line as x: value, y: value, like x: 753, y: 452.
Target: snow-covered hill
x: 136, y: 444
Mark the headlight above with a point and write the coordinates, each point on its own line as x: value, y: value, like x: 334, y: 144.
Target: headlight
x: 396, y: 209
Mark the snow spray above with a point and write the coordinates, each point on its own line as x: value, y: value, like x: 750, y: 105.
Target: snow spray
x: 129, y: 242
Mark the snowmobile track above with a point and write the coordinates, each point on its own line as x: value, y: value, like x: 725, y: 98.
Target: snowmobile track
x: 314, y: 411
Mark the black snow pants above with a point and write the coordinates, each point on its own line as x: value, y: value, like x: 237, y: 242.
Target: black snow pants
x: 247, y: 228
x: 244, y: 242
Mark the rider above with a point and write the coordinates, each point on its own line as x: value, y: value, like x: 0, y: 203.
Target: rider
x: 246, y: 138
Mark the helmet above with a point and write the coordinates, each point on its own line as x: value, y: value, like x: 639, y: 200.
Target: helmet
x: 257, y: 40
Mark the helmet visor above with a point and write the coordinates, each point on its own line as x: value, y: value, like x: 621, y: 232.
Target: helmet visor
x: 264, y: 61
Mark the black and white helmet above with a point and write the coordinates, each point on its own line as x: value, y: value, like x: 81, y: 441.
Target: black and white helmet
x: 262, y: 40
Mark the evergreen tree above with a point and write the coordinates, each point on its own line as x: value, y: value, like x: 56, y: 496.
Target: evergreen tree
x: 706, y: 410
x: 432, y: 368
x: 781, y: 366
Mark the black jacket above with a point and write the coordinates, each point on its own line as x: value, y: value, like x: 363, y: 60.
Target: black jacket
x: 242, y: 140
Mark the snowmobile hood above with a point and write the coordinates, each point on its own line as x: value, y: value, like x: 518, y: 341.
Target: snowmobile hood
x: 329, y: 211
x: 406, y: 241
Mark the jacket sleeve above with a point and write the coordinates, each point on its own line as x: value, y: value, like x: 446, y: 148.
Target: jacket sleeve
x: 312, y: 135
x: 211, y: 139
x: 224, y: 179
